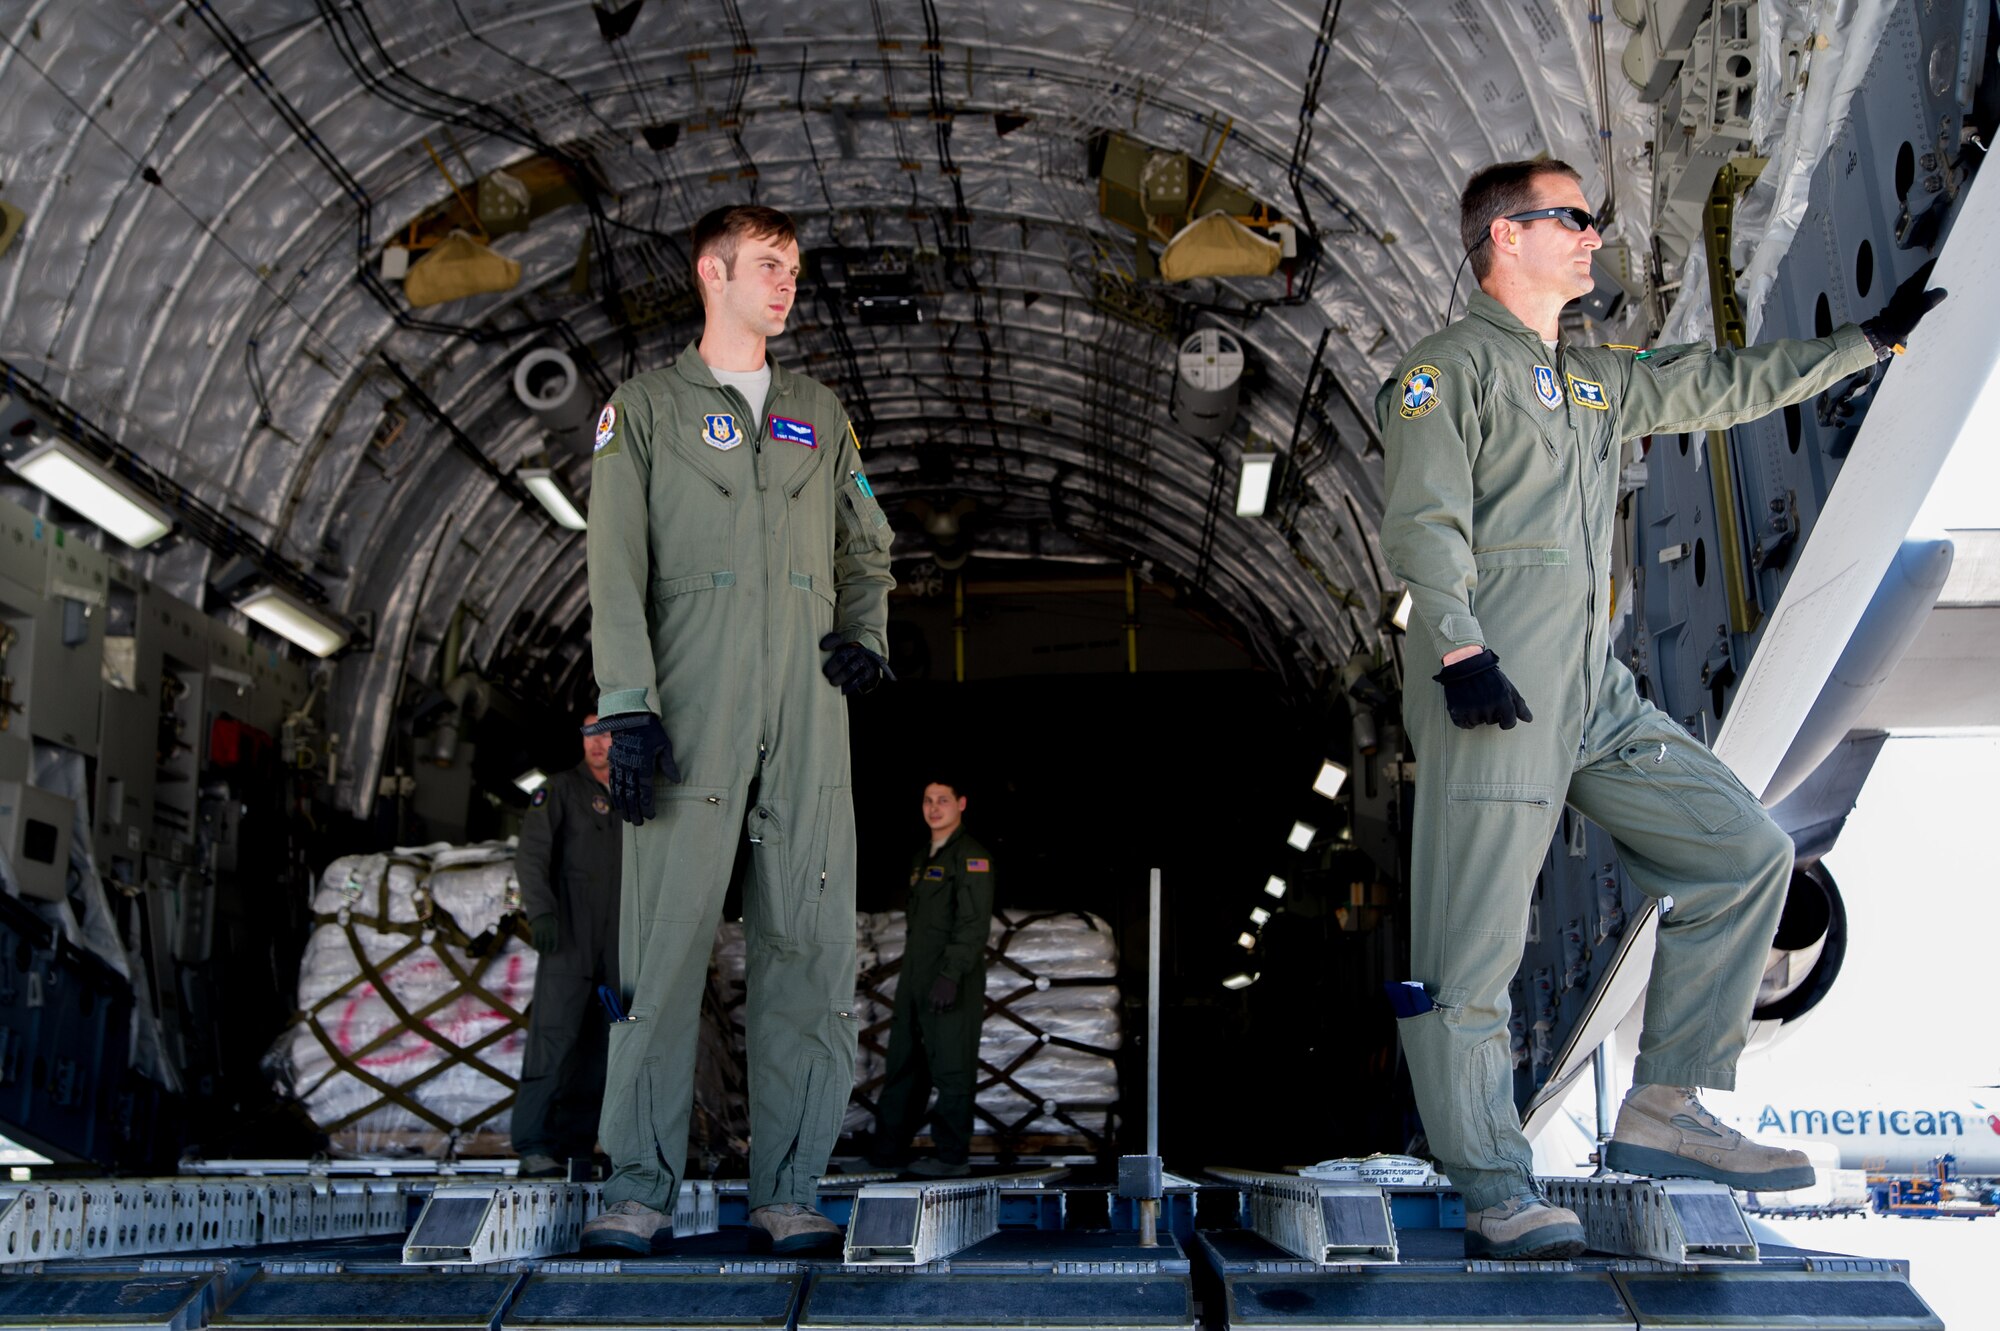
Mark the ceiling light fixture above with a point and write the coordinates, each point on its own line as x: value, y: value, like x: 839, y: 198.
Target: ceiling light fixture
x: 1253, y: 487
x: 532, y: 780
x: 295, y: 621
x: 1332, y: 776
x: 1259, y: 916
x: 1246, y: 940
x: 104, y: 498
x: 1240, y: 981
x: 1274, y: 886
x: 544, y: 486
x: 1302, y: 835
x: 1401, y: 619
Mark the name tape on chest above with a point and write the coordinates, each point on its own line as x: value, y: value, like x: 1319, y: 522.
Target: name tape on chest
x: 1587, y: 393
x: 1420, y: 391
x: 787, y: 431
x: 719, y: 431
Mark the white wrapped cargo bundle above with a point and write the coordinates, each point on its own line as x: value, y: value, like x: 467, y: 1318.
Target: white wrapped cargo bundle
x: 1047, y: 1049
x: 1048, y: 1045
x: 412, y: 1004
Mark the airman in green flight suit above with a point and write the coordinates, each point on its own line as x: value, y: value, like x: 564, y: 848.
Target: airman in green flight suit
x: 940, y: 993
x: 739, y: 583
x: 1502, y: 458
x: 568, y: 869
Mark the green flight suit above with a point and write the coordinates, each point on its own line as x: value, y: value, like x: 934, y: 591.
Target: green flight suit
x: 567, y: 865
x: 947, y: 920
x: 717, y: 562
x: 1502, y: 461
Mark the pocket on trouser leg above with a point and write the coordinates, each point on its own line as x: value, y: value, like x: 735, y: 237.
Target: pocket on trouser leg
x: 627, y: 1125
x: 1463, y: 1084
x: 831, y: 890
x: 1494, y: 836
x: 829, y: 1082
x: 775, y: 859
x: 1706, y: 791
x: 684, y: 853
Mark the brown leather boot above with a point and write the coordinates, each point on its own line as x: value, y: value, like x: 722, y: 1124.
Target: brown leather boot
x: 1523, y: 1228
x: 628, y: 1227
x: 1664, y: 1132
x: 795, y: 1228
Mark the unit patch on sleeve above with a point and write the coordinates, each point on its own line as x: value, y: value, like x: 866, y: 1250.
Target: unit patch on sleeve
x: 786, y: 431
x: 607, y: 425
x: 540, y: 797
x: 978, y: 866
x: 1547, y: 391
x: 1420, y: 391
x: 1587, y: 394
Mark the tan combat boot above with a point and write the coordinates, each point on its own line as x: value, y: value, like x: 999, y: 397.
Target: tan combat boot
x: 1664, y: 1132
x: 627, y: 1226
x: 795, y: 1228
x: 540, y: 1164
x: 1523, y: 1228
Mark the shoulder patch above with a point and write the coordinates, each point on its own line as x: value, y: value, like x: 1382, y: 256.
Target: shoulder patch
x: 1420, y: 391
x: 978, y: 866
x: 1588, y: 393
x: 607, y: 430
x: 540, y: 797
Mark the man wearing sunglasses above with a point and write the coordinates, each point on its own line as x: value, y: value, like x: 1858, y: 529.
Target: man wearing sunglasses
x: 1503, y: 452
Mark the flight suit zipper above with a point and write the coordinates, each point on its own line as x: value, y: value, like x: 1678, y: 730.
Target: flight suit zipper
x: 763, y: 554
x: 1589, y: 555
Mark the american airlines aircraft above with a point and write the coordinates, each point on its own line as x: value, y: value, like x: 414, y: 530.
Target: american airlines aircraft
x: 1882, y: 1129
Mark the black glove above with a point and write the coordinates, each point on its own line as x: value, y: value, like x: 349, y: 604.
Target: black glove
x: 1889, y: 330
x: 852, y: 667
x: 944, y: 992
x: 640, y: 750
x: 544, y: 934
x: 1477, y: 694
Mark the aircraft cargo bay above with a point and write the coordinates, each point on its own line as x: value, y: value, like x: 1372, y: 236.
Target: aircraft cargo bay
x: 1094, y: 665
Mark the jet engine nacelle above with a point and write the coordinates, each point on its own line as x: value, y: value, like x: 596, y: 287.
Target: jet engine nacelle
x: 1806, y: 954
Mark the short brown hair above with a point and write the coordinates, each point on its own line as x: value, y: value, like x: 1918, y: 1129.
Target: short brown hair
x: 721, y: 230
x: 1495, y: 191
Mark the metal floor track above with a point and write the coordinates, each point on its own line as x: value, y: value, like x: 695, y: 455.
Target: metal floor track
x: 1253, y: 1251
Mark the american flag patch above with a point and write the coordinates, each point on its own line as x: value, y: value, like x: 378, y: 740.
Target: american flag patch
x: 793, y: 432
x: 978, y: 866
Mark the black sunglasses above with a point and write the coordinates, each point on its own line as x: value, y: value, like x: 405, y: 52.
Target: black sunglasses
x: 1576, y: 219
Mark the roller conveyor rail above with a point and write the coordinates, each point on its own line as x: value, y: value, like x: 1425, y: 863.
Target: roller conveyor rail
x: 1680, y: 1222
x: 1322, y: 1222
x: 915, y: 1224
x: 494, y: 1252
